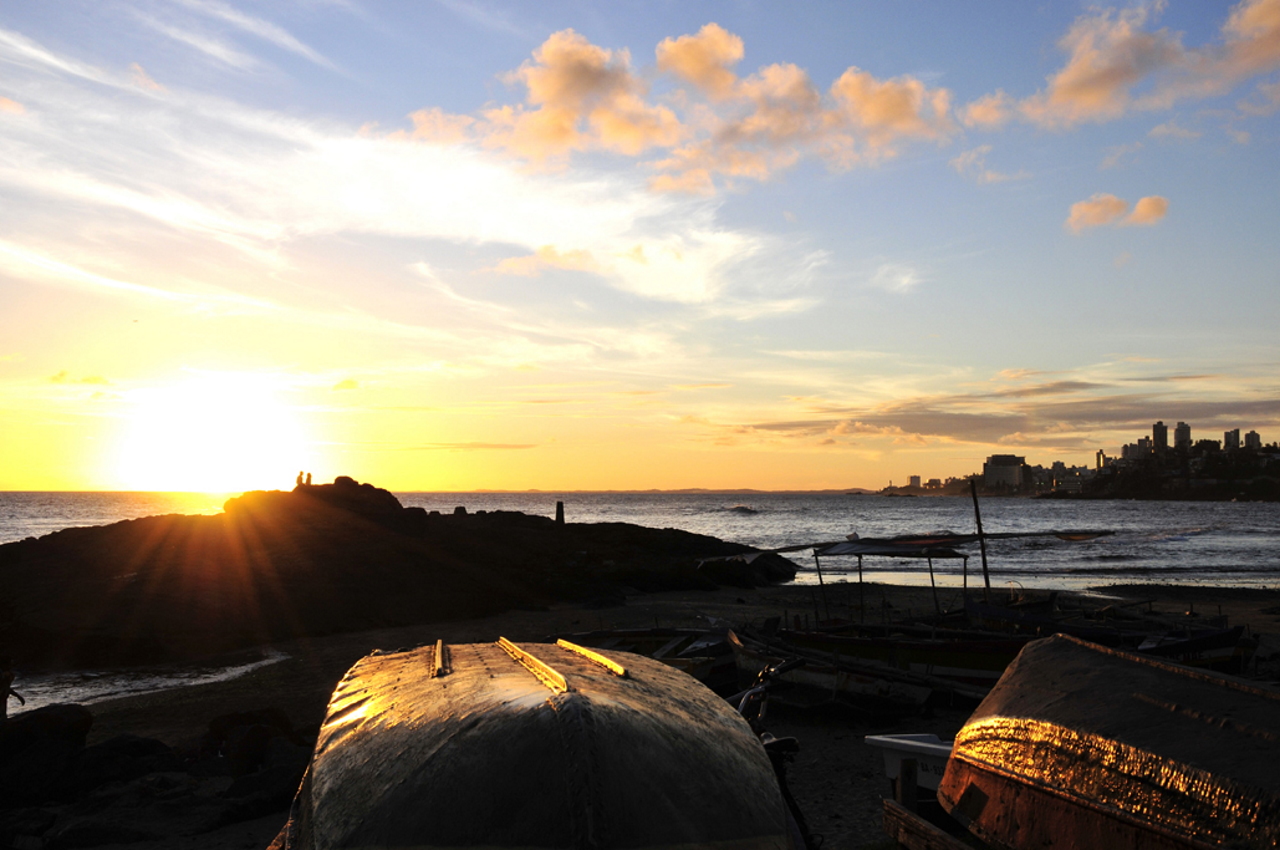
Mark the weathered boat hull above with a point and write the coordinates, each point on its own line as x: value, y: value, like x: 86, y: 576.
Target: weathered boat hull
x: 1083, y: 746
x: 477, y: 745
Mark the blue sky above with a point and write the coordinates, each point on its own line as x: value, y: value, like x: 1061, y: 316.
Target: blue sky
x: 574, y: 245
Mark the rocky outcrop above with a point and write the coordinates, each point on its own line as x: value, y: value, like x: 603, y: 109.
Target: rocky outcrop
x: 58, y: 794
x: 318, y: 560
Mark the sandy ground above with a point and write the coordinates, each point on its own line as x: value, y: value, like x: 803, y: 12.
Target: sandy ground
x: 836, y: 778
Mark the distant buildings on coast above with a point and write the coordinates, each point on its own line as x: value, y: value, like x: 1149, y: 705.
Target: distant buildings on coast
x: 1150, y: 468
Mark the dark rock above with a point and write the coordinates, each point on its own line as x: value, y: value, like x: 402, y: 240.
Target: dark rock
x: 23, y: 822
x: 119, y: 759
x: 37, y: 750
x: 323, y: 559
x: 94, y: 832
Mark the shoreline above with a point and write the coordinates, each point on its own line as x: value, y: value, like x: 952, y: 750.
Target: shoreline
x: 305, y: 677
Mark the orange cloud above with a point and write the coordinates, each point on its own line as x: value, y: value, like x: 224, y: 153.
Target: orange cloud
x: 1103, y: 209
x: 1099, y: 210
x: 1109, y: 55
x: 704, y: 59
x: 888, y: 110
x: 989, y: 112
x: 1148, y: 211
x: 547, y: 257
x: 436, y: 125
x: 582, y: 97
x: 12, y: 106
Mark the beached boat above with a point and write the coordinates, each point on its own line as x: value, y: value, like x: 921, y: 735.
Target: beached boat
x: 1216, y: 646
x: 1084, y: 746
x: 870, y: 687
x: 972, y: 660
x: 538, y: 745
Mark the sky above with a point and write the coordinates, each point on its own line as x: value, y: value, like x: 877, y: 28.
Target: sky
x: 461, y: 245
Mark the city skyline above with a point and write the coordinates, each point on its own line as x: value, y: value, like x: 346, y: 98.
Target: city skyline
x: 486, y: 245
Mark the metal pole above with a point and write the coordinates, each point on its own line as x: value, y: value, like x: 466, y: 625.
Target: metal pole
x: 982, y: 542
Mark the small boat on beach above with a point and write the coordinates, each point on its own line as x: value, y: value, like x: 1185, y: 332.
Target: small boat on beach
x: 500, y: 745
x: 1080, y: 745
x: 870, y: 687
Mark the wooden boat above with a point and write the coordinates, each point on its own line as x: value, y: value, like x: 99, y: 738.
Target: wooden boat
x: 874, y: 689
x: 540, y: 745
x: 1079, y: 745
x: 1216, y: 647
x: 974, y: 661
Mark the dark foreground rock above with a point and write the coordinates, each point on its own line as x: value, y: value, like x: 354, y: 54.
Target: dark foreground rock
x: 323, y: 560
x: 59, y: 794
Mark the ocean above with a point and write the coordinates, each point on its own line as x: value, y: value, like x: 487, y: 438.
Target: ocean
x: 1211, y: 543
x: 1219, y: 543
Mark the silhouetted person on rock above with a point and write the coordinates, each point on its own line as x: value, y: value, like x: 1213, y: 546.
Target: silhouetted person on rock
x: 308, y: 479
x: 299, y: 481
x: 6, y: 688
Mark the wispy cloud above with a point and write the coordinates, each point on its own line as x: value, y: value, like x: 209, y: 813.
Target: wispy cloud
x: 259, y: 27
x: 1104, y: 209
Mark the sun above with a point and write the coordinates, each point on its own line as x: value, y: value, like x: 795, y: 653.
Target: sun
x: 213, y: 433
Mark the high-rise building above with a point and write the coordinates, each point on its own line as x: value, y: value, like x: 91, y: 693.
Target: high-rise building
x: 913, y: 481
x: 1231, y: 440
x: 1253, y: 440
x: 1004, y: 470
x: 1182, y: 436
x: 1160, y: 437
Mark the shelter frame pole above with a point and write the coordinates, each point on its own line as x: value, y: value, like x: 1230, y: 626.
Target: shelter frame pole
x: 822, y: 586
x: 982, y: 542
x: 936, y: 607
x: 862, y: 595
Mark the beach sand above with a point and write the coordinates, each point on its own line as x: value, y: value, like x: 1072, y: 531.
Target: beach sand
x: 836, y: 778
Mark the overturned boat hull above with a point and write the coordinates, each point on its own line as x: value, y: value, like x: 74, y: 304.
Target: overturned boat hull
x: 1083, y: 746
x: 537, y: 745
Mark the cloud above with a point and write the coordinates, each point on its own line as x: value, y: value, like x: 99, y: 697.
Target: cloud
x: 1109, y: 54
x: 203, y: 42
x: 580, y: 97
x: 1267, y: 102
x: 989, y: 112
x: 142, y: 80
x: 469, y: 447
x: 1172, y: 130
x: 11, y: 106
x: 436, y: 125
x: 1103, y: 210
x: 1117, y: 153
x: 887, y: 111
x: 263, y: 29
x: 64, y: 377
x: 972, y: 164
x: 896, y: 277
x: 347, y: 384
x: 1115, y: 64
x: 547, y: 257
x: 1148, y: 211
x: 704, y: 60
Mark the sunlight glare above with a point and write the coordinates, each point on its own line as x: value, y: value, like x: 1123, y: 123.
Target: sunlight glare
x: 211, y: 434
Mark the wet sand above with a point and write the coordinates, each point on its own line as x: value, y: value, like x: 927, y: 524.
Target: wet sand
x: 836, y: 778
